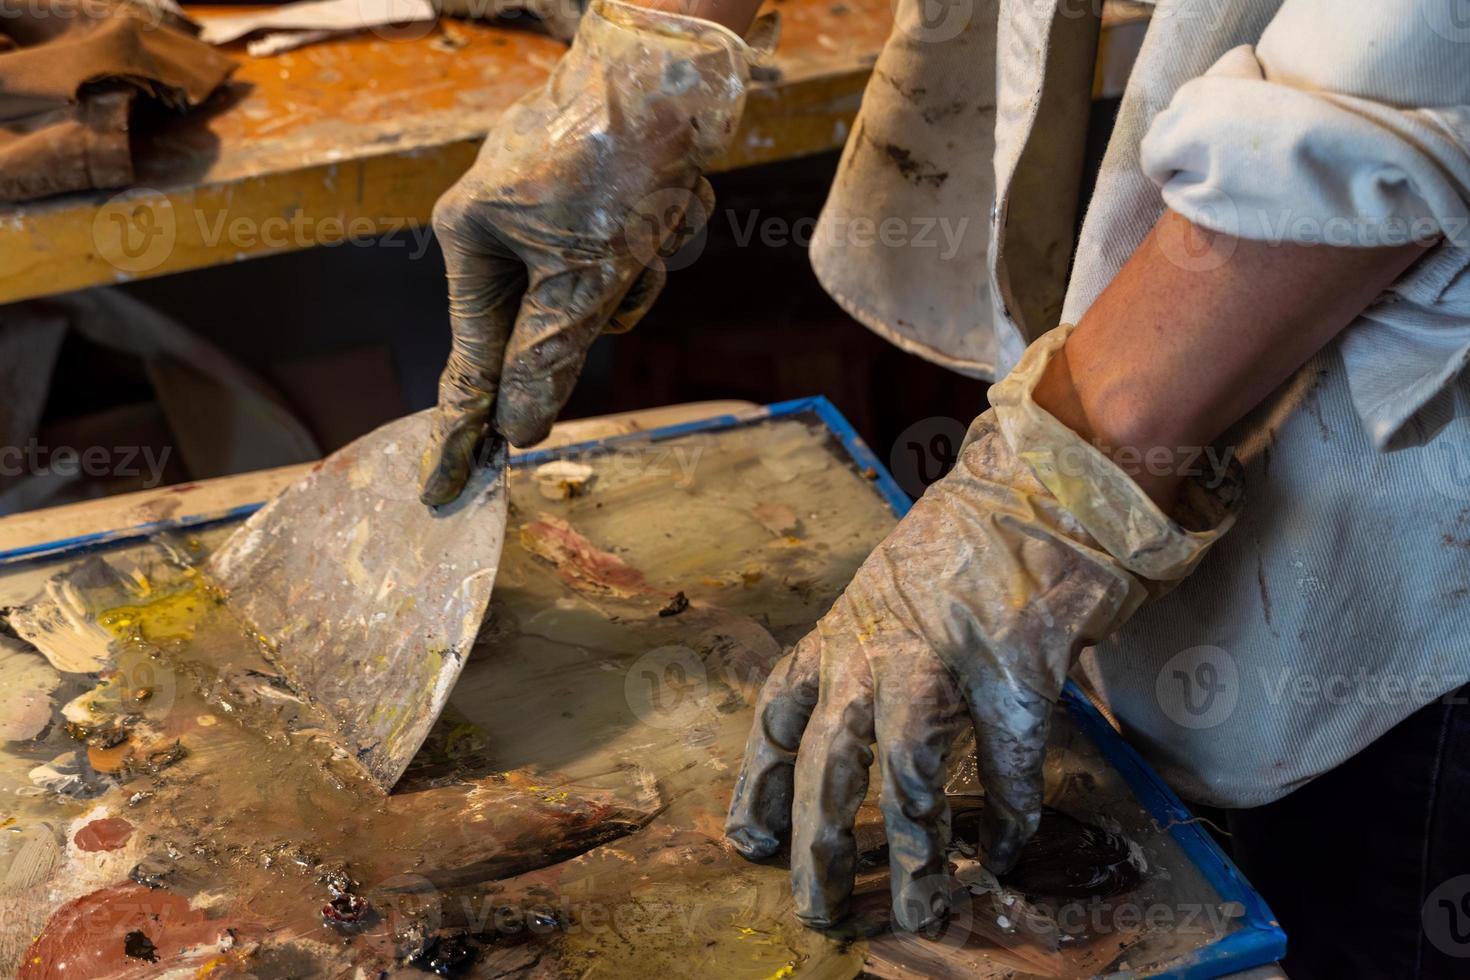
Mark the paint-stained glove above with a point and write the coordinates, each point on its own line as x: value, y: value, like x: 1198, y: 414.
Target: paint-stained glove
x: 558, y: 18
x: 555, y: 233
x: 971, y: 612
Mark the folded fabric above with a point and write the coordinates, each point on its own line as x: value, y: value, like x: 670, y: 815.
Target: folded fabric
x: 69, y: 77
x: 1275, y: 144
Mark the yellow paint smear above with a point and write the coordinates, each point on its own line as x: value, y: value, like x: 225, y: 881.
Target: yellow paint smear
x: 170, y: 616
x: 765, y: 939
x: 212, y: 966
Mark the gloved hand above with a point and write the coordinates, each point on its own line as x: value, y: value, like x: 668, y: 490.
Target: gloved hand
x: 558, y: 17
x: 555, y: 232
x: 972, y: 611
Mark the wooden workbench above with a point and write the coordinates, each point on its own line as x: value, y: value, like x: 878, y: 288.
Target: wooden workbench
x: 359, y: 136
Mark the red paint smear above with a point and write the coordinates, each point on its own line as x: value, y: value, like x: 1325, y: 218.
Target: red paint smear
x: 107, y: 834
x: 579, y: 562
x: 84, y: 938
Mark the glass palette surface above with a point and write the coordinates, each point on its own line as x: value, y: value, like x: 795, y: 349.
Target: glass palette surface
x: 169, y: 804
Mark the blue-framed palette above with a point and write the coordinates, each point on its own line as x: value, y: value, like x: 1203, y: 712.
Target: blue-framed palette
x: 1255, y: 938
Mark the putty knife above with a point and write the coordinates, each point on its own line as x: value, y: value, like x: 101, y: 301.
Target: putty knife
x: 368, y: 600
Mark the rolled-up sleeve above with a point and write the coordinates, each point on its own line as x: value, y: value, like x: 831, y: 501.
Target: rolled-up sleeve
x: 1345, y: 125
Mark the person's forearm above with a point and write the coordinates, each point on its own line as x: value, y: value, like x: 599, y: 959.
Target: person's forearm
x: 737, y: 15
x: 1195, y: 331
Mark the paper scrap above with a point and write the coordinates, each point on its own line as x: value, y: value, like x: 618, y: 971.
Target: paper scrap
x: 269, y: 44
x: 315, y: 16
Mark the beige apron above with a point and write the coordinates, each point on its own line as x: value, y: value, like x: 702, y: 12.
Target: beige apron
x: 920, y: 160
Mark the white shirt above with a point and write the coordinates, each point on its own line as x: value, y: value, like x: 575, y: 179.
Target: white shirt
x: 1340, y: 602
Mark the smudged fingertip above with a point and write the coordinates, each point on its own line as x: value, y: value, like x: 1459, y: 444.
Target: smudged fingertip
x: 522, y: 419
x: 750, y: 843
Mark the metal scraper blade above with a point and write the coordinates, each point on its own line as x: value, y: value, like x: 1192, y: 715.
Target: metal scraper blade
x: 369, y: 600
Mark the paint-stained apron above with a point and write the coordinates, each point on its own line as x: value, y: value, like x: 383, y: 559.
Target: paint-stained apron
x: 919, y: 210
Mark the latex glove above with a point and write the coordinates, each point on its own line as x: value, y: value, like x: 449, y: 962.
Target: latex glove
x: 971, y: 612
x: 554, y: 234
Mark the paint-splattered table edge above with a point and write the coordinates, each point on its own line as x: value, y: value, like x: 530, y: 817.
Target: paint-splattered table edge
x: 222, y: 494
x: 357, y: 137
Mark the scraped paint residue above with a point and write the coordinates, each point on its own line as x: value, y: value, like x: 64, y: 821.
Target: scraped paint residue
x: 579, y: 562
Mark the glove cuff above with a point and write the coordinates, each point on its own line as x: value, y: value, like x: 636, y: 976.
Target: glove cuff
x: 666, y: 70
x: 1108, y: 504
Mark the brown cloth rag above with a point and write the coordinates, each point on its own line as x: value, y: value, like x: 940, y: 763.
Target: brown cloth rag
x: 70, y: 71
